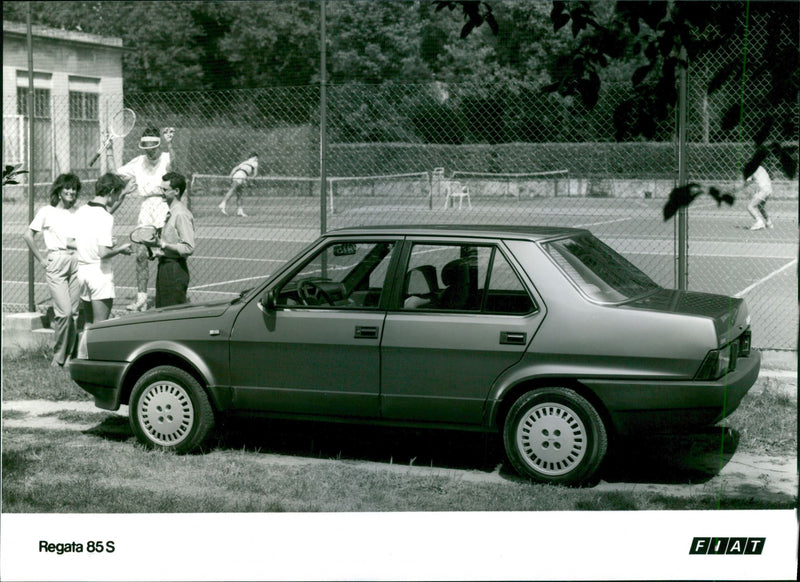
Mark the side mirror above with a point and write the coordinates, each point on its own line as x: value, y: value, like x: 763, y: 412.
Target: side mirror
x: 267, y: 301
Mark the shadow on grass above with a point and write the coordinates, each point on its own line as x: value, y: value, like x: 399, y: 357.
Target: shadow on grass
x: 113, y: 427
x: 420, y: 447
x: 690, y: 458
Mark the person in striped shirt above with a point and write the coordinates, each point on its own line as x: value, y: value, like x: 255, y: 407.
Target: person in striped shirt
x: 239, y: 176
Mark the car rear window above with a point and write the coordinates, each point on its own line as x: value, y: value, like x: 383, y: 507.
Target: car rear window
x: 598, y: 270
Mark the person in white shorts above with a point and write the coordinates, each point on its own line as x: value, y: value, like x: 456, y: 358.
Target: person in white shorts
x: 95, y: 248
x: 758, y: 203
x: 56, y: 223
x: 144, y: 173
x: 239, y: 177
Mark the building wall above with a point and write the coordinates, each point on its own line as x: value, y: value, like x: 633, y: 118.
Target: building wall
x: 63, y: 62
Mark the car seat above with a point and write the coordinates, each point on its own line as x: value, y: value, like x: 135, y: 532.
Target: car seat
x: 455, y: 276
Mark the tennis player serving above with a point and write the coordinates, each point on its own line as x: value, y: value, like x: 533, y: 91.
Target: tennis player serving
x: 239, y: 179
x: 144, y: 173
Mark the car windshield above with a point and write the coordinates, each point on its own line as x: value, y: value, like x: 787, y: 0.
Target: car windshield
x: 598, y: 270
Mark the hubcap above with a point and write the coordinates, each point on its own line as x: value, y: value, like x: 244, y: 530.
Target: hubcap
x: 165, y: 413
x: 552, y: 439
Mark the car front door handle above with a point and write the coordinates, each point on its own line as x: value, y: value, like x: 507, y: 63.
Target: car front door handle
x: 366, y: 332
x: 514, y: 338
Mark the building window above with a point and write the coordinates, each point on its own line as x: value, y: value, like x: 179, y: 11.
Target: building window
x: 42, y: 131
x: 41, y: 102
x: 83, y: 106
x: 84, y: 131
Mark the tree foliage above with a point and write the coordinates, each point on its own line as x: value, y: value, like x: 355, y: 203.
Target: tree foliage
x: 669, y: 36
x: 196, y: 45
x: 481, y: 58
x: 672, y: 35
x: 475, y: 14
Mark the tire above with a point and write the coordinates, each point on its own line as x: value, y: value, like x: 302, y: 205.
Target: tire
x: 554, y: 435
x: 169, y: 410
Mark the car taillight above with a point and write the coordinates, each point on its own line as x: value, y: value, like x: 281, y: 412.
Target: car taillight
x: 744, y: 344
x: 719, y: 362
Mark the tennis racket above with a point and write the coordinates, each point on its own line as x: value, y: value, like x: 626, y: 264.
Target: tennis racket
x: 147, y: 235
x: 120, y: 125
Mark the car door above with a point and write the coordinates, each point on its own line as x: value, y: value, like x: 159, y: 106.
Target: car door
x: 447, y: 338
x: 315, y: 349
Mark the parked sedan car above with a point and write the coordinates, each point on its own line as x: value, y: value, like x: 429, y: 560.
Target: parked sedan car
x: 545, y: 335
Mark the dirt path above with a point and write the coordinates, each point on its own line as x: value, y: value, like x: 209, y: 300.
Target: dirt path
x: 742, y: 475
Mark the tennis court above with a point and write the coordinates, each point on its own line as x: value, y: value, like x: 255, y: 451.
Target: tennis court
x: 236, y: 253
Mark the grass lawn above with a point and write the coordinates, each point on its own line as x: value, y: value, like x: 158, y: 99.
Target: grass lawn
x: 282, y: 466
x: 29, y: 376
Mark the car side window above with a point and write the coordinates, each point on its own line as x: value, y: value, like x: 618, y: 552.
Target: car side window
x: 448, y: 277
x: 453, y: 277
x: 506, y: 294
x: 348, y: 274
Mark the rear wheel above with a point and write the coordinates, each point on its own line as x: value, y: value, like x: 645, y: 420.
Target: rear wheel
x: 169, y: 410
x: 555, y: 435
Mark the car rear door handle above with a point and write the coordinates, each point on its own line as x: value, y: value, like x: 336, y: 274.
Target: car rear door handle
x: 366, y: 332
x: 514, y: 338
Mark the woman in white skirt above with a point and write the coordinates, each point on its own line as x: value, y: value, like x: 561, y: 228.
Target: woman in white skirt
x: 145, y: 172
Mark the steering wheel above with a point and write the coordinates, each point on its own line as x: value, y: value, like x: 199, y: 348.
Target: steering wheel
x: 312, y: 293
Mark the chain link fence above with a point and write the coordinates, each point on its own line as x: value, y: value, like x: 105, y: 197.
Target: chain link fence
x: 427, y: 153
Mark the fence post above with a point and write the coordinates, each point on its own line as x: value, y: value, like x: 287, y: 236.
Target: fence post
x: 31, y: 169
x: 683, y: 213
x: 323, y: 136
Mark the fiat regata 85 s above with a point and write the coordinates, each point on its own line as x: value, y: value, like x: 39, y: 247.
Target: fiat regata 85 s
x: 544, y: 335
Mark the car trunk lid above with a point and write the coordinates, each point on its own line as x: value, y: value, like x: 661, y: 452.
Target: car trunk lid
x: 730, y: 314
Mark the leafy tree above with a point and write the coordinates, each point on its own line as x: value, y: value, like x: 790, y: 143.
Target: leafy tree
x: 670, y: 36
x: 271, y: 44
x: 475, y: 14
x: 164, y: 54
x: 373, y: 42
x: 195, y: 45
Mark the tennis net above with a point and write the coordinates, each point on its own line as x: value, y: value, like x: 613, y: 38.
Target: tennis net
x: 349, y: 192
x: 265, y: 186
x: 518, y: 185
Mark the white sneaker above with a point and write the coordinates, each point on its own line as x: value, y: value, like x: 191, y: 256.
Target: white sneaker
x: 241, y: 213
x: 758, y: 225
x: 222, y: 209
x: 140, y: 304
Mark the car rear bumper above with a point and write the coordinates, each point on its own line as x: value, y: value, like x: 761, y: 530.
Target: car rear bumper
x: 652, y: 406
x: 103, y: 380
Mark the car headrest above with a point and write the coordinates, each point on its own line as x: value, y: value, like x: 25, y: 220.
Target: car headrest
x: 455, y: 273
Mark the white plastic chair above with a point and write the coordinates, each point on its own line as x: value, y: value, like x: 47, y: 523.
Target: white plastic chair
x: 456, y: 190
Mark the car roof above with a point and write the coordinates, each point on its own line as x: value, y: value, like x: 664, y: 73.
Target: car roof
x: 495, y: 231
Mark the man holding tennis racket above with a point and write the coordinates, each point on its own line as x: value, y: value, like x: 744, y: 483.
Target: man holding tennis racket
x: 175, y: 244
x: 144, y: 172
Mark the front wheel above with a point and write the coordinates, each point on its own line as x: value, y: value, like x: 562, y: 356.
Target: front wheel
x: 169, y: 410
x: 554, y: 435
